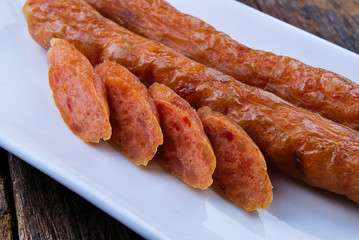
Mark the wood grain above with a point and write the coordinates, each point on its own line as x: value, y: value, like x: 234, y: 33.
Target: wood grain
x: 7, y: 222
x: 334, y: 20
x: 47, y: 210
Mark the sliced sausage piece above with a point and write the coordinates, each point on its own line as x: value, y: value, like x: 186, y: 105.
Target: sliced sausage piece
x: 186, y: 149
x: 134, y: 119
x: 241, y: 171
x: 316, y: 89
x: 78, y: 92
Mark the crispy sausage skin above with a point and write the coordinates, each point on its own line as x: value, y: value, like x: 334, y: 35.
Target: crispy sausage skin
x: 319, y: 90
x: 303, y: 144
x: 134, y: 119
x: 78, y: 92
x: 241, y: 171
x: 186, y: 149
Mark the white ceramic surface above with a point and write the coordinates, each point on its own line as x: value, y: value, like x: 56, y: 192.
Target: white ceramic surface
x: 150, y: 200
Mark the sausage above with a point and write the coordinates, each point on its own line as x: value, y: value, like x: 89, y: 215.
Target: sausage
x: 78, y: 92
x: 134, y: 119
x: 303, y: 144
x: 316, y: 89
x: 186, y: 149
x: 241, y: 171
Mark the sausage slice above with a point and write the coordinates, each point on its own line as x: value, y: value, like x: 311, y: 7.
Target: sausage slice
x: 241, y: 171
x: 78, y: 92
x: 134, y: 119
x: 186, y: 149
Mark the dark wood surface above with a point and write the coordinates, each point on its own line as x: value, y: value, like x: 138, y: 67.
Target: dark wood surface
x: 33, y: 206
x: 7, y: 213
x: 334, y: 20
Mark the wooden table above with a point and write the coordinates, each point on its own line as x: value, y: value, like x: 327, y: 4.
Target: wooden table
x: 33, y: 206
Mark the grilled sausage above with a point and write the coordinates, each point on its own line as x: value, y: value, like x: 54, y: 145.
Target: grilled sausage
x: 78, y: 92
x: 134, y: 120
x: 186, y: 149
x: 302, y: 143
x: 241, y: 171
x: 316, y: 89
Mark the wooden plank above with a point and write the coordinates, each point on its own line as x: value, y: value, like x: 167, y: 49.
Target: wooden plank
x: 334, y: 20
x: 47, y: 210
x: 7, y: 222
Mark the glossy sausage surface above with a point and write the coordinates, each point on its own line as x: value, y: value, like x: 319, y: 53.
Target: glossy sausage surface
x: 303, y: 144
x: 316, y: 89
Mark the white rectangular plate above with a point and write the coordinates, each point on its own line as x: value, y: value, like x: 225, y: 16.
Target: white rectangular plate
x: 150, y: 200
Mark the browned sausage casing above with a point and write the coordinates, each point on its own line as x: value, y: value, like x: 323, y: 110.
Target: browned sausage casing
x: 186, y: 149
x: 303, y: 144
x: 316, y: 89
x: 78, y: 92
x: 241, y: 171
x: 135, y: 124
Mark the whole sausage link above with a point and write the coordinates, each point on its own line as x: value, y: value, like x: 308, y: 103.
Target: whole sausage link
x: 316, y: 89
